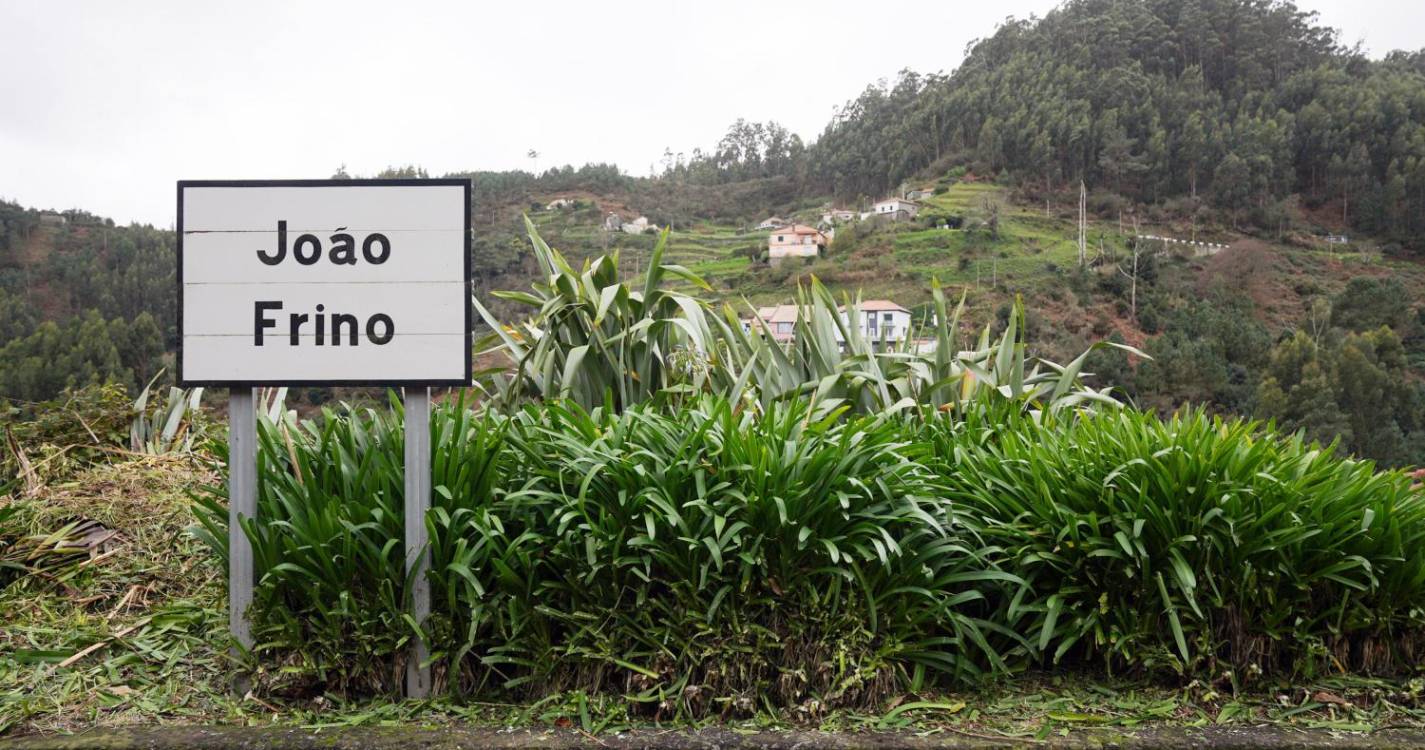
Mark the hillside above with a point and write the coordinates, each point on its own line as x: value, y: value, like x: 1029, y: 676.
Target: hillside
x: 1219, y: 326
x: 81, y: 302
x: 1034, y: 253
x: 1236, y: 122
x: 1209, y: 322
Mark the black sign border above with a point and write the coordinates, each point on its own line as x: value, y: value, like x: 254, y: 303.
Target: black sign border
x: 469, y: 289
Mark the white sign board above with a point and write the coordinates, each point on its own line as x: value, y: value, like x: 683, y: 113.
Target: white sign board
x: 324, y: 282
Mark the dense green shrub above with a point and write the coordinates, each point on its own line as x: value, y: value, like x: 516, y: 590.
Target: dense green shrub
x: 712, y: 556
x: 1194, y: 543
x: 789, y: 554
x: 792, y: 553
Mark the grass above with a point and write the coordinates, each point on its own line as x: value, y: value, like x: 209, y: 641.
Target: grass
x: 1032, y: 253
x: 709, y: 249
x: 964, y: 196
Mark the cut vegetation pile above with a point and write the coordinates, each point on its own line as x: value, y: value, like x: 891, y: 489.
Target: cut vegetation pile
x: 113, y: 612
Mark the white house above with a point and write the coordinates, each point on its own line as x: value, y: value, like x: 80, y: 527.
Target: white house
x: 795, y: 241
x: 771, y: 223
x: 612, y: 222
x: 896, y: 209
x: 882, y: 321
x: 918, y: 194
x: 558, y: 203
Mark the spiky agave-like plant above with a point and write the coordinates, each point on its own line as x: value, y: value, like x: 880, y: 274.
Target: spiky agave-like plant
x: 595, y: 339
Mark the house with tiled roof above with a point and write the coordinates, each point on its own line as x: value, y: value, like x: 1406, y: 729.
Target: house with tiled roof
x: 796, y: 241
x: 778, y: 321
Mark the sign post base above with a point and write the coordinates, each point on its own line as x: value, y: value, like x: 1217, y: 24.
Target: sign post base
x: 418, y: 490
x: 242, y: 503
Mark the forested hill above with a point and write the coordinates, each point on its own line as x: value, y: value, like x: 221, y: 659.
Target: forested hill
x: 1247, y: 105
x: 81, y: 301
x: 1245, y: 102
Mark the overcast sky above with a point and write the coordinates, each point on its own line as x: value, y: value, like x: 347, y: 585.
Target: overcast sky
x: 103, y: 105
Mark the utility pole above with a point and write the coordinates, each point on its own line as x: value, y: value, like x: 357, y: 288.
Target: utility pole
x: 1133, y: 289
x: 1083, y: 218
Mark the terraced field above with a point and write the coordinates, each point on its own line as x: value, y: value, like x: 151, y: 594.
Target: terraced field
x: 709, y: 250
x: 1033, y: 252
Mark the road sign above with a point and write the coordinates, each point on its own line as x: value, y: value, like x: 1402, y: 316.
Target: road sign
x: 326, y: 282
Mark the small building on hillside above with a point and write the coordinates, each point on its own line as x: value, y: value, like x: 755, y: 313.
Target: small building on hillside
x: 896, y: 209
x: 838, y: 215
x: 796, y: 241
x: 771, y: 223
x: 918, y: 194
x: 778, y: 321
x: 882, y: 321
x: 637, y: 226
x: 559, y: 203
x: 51, y: 219
x: 613, y: 222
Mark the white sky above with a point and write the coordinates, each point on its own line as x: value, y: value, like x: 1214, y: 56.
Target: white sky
x: 104, y: 105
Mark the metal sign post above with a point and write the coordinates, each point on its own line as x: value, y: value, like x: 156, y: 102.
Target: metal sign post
x: 242, y: 503
x: 417, y: 406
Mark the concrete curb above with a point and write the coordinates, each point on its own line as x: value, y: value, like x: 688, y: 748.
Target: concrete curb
x: 213, y: 738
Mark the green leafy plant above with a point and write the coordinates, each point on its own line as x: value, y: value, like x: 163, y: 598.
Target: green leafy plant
x: 692, y: 558
x: 593, y: 335
x: 777, y: 538
x: 1194, y: 543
